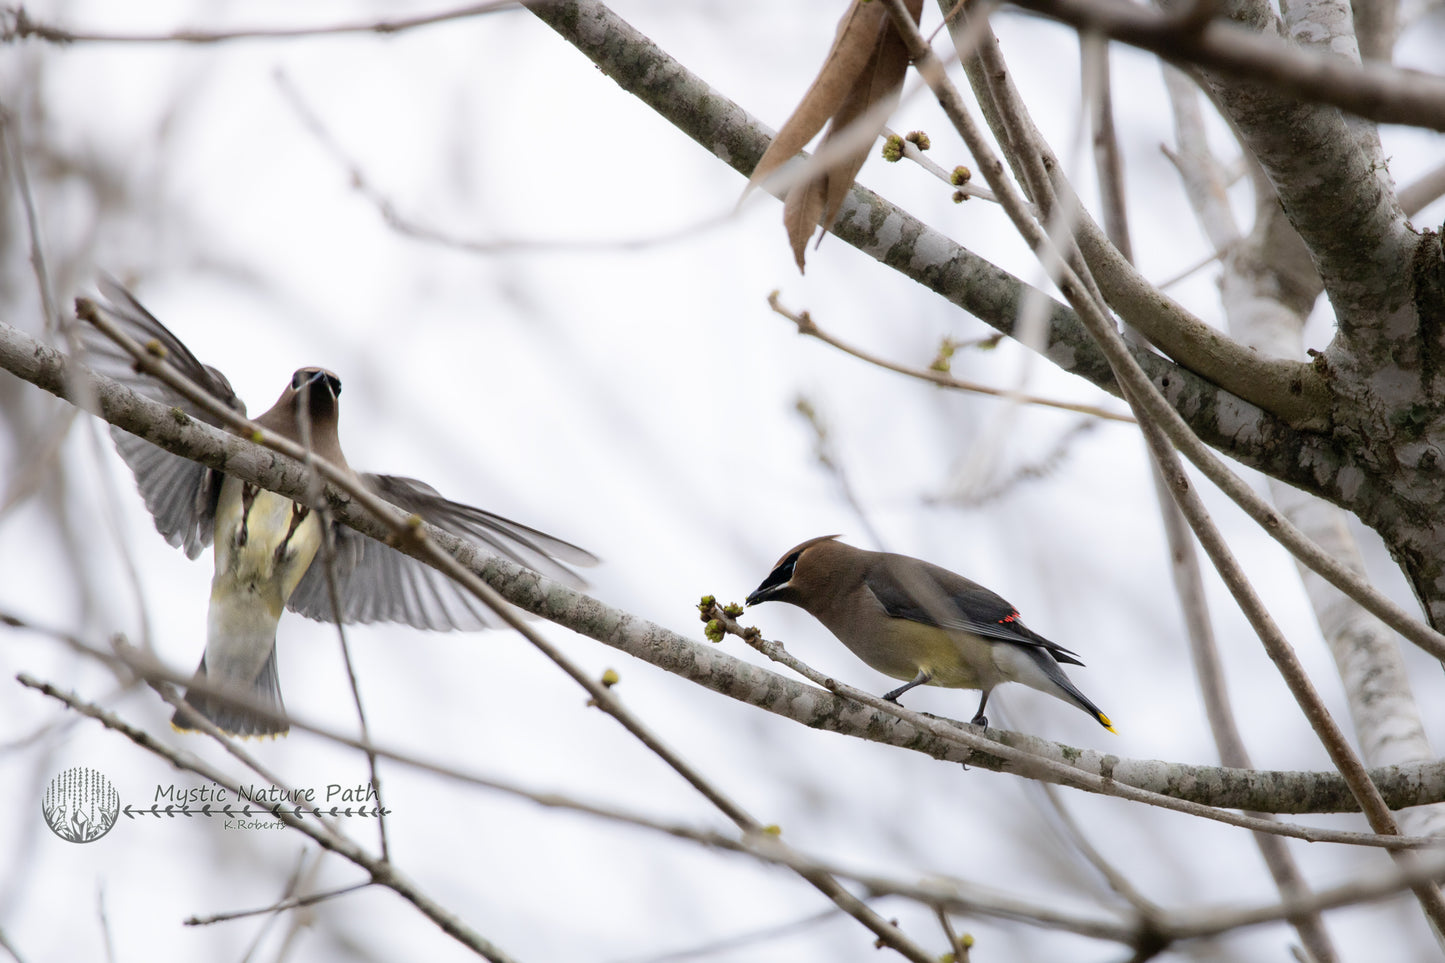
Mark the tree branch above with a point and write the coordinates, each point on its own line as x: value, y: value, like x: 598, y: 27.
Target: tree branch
x: 1375, y: 91
x: 20, y: 26
x: 1330, y: 189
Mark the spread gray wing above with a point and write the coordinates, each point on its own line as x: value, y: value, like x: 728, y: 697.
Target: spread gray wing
x: 377, y: 583
x: 181, y: 494
x: 923, y: 592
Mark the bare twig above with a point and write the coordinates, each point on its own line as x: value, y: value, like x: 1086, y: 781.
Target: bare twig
x: 15, y: 156
x: 49, y: 451
x: 22, y: 26
x: 917, y: 156
x: 1375, y: 91
x: 829, y: 460
x: 1424, y: 190
x: 1189, y: 583
x: 291, y: 902
x: 408, y: 226
x: 807, y: 326
x: 328, y: 559
x: 1201, y: 174
x: 9, y: 947
x: 737, y: 942
x: 1186, y: 273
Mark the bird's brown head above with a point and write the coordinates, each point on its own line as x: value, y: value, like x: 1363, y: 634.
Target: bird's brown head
x: 804, y: 573
x: 308, y: 409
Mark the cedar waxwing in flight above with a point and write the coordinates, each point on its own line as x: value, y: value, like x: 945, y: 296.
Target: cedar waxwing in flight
x: 265, y: 544
x: 912, y: 620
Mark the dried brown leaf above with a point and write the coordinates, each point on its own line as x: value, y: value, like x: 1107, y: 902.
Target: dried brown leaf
x: 880, y: 82
x: 864, y: 68
x: 801, y: 210
x: 852, y: 48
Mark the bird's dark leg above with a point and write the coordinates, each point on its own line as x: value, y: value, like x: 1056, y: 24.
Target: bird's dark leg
x: 920, y: 679
x: 979, y: 719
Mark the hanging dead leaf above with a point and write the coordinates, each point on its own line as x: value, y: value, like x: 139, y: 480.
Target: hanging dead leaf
x: 801, y: 210
x: 863, y: 70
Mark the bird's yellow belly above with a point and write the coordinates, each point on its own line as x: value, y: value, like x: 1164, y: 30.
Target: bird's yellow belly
x: 956, y: 660
x: 264, y: 545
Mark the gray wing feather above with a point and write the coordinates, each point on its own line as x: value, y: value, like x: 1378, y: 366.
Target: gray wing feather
x: 923, y: 592
x: 180, y: 493
x: 377, y: 583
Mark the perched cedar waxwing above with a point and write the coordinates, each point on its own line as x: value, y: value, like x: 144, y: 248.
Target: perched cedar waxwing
x: 266, y: 544
x: 912, y: 620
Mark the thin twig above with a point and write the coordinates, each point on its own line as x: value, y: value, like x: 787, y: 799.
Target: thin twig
x: 333, y: 595
x: 9, y: 947
x: 289, y: 903
x: 1423, y: 191
x: 10, y: 140
x: 917, y: 156
x: 828, y: 458
x: 12, y: 143
x: 107, y: 938
x: 23, y: 27
x: 1201, y: 174
x: 1374, y: 91
x: 960, y: 945
x: 258, y: 936
x: 407, y: 226
x: 807, y: 326
x: 739, y: 941
x: 1148, y: 911
x: 1187, y: 272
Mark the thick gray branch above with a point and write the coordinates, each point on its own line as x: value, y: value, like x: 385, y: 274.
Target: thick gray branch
x: 1329, y: 186
x: 1376, y: 92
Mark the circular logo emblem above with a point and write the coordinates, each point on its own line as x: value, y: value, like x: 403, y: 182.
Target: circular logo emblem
x: 80, y: 805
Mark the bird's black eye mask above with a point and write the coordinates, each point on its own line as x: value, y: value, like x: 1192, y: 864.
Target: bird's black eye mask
x: 781, y: 575
x: 303, y: 378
